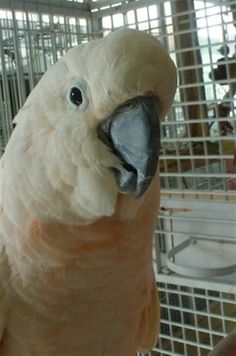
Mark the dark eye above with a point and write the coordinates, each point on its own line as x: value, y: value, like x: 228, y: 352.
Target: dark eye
x: 76, y: 96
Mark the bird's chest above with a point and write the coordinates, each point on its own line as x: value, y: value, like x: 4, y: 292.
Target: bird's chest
x: 82, y: 308
x: 76, y: 291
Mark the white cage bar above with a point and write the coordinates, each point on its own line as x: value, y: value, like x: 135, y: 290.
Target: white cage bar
x: 198, y: 176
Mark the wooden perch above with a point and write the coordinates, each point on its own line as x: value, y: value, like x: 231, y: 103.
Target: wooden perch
x: 234, y: 159
x: 189, y: 61
x: 233, y: 9
x: 226, y: 347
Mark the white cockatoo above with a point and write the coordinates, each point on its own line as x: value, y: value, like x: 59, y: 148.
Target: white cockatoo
x: 79, y: 201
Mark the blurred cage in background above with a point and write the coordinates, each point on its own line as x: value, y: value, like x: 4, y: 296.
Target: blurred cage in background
x: 33, y: 36
x: 195, y: 237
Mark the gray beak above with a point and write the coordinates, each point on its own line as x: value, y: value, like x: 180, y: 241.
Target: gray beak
x: 132, y: 133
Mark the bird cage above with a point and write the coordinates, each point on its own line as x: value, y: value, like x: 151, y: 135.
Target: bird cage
x: 195, y: 240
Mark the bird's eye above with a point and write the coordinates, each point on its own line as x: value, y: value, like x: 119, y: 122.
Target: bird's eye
x: 76, y: 96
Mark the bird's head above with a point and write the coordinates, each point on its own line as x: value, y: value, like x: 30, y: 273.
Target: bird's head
x: 90, y: 130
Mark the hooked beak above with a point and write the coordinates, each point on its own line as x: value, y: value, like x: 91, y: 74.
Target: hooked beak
x: 132, y: 133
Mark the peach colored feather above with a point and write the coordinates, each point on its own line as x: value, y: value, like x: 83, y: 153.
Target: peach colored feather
x: 66, y: 308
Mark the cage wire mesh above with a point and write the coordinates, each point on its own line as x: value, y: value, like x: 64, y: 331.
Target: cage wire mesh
x: 198, y: 174
x: 195, y: 318
x: 32, y: 39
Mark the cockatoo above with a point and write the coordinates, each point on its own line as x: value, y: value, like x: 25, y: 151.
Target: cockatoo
x: 79, y: 202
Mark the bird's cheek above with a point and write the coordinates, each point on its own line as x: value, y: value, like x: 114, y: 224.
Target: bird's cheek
x: 95, y: 194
